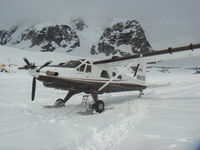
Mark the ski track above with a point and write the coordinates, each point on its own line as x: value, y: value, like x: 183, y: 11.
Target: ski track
x: 25, y: 127
x: 110, y: 136
x: 42, y: 120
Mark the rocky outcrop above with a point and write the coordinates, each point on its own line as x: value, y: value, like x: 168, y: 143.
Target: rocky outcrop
x: 5, y: 35
x: 51, y: 37
x: 122, y: 38
x: 46, y: 37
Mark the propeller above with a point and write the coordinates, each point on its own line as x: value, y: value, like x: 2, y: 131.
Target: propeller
x: 44, y: 65
x: 26, y: 61
x: 33, y: 89
x: 28, y: 65
x: 33, y: 66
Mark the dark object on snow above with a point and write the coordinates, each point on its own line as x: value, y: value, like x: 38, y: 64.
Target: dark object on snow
x: 4, y: 70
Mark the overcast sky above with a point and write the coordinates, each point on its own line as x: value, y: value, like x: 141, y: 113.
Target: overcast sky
x: 166, y: 22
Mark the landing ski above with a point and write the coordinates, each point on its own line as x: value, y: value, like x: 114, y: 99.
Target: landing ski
x: 52, y: 106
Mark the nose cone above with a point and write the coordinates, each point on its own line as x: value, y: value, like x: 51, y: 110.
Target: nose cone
x: 34, y: 73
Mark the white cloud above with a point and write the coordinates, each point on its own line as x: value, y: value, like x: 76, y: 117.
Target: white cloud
x: 165, y: 22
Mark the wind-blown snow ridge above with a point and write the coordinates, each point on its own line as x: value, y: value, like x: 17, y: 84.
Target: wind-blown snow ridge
x: 111, y: 136
x: 44, y: 25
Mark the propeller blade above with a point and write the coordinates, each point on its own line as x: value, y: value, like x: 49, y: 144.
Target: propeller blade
x: 27, y: 62
x: 44, y: 65
x: 24, y: 67
x: 33, y: 89
x: 136, y: 70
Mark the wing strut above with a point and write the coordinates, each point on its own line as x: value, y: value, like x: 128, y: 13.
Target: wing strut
x: 108, y: 82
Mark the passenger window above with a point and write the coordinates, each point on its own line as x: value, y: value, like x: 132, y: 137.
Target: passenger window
x: 119, y: 76
x: 104, y: 74
x: 114, y: 74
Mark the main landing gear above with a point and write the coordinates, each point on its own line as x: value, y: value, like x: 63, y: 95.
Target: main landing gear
x: 98, y: 105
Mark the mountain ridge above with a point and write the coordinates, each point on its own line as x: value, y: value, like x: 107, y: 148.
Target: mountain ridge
x: 124, y: 37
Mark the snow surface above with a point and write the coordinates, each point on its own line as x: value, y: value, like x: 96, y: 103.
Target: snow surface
x: 165, y: 118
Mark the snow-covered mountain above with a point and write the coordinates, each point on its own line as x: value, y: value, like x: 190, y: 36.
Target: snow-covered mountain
x: 6, y: 35
x: 44, y: 37
x: 122, y: 37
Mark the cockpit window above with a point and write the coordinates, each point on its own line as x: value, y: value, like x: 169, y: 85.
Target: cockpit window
x: 81, y: 68
x: 104, y: 74
x: 87, y: 62
x: 85, y: 68
x: 89, y: 68
x: 70, y: 64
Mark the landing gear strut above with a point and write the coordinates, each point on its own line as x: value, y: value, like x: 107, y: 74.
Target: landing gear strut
x: 61, y: 102
x: 141, y: 93
x: 98, y: 105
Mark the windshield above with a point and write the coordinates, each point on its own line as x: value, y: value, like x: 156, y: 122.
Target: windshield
x: 71, y: 64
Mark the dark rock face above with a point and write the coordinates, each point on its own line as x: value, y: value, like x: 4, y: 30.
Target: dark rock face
x: 121, y: 39
x: 49, y: 38
x: 122, y: 34
x: 5, y: 36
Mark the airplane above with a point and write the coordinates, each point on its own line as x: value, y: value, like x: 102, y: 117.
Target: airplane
x: 3, y: 68
x: 163, y: 69
x: 102, y: 76
x: 197, y: 69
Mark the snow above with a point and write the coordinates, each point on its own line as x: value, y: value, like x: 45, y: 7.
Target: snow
x: 15, y: 56
x: 43, y: 25
x: 117, y: 20
x: 165, y: 118
x: 173, y: 114
x: 87, y: 37
x: 125, y: 48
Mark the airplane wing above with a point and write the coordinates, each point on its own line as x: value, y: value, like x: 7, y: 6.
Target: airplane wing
x: 160, y: 55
